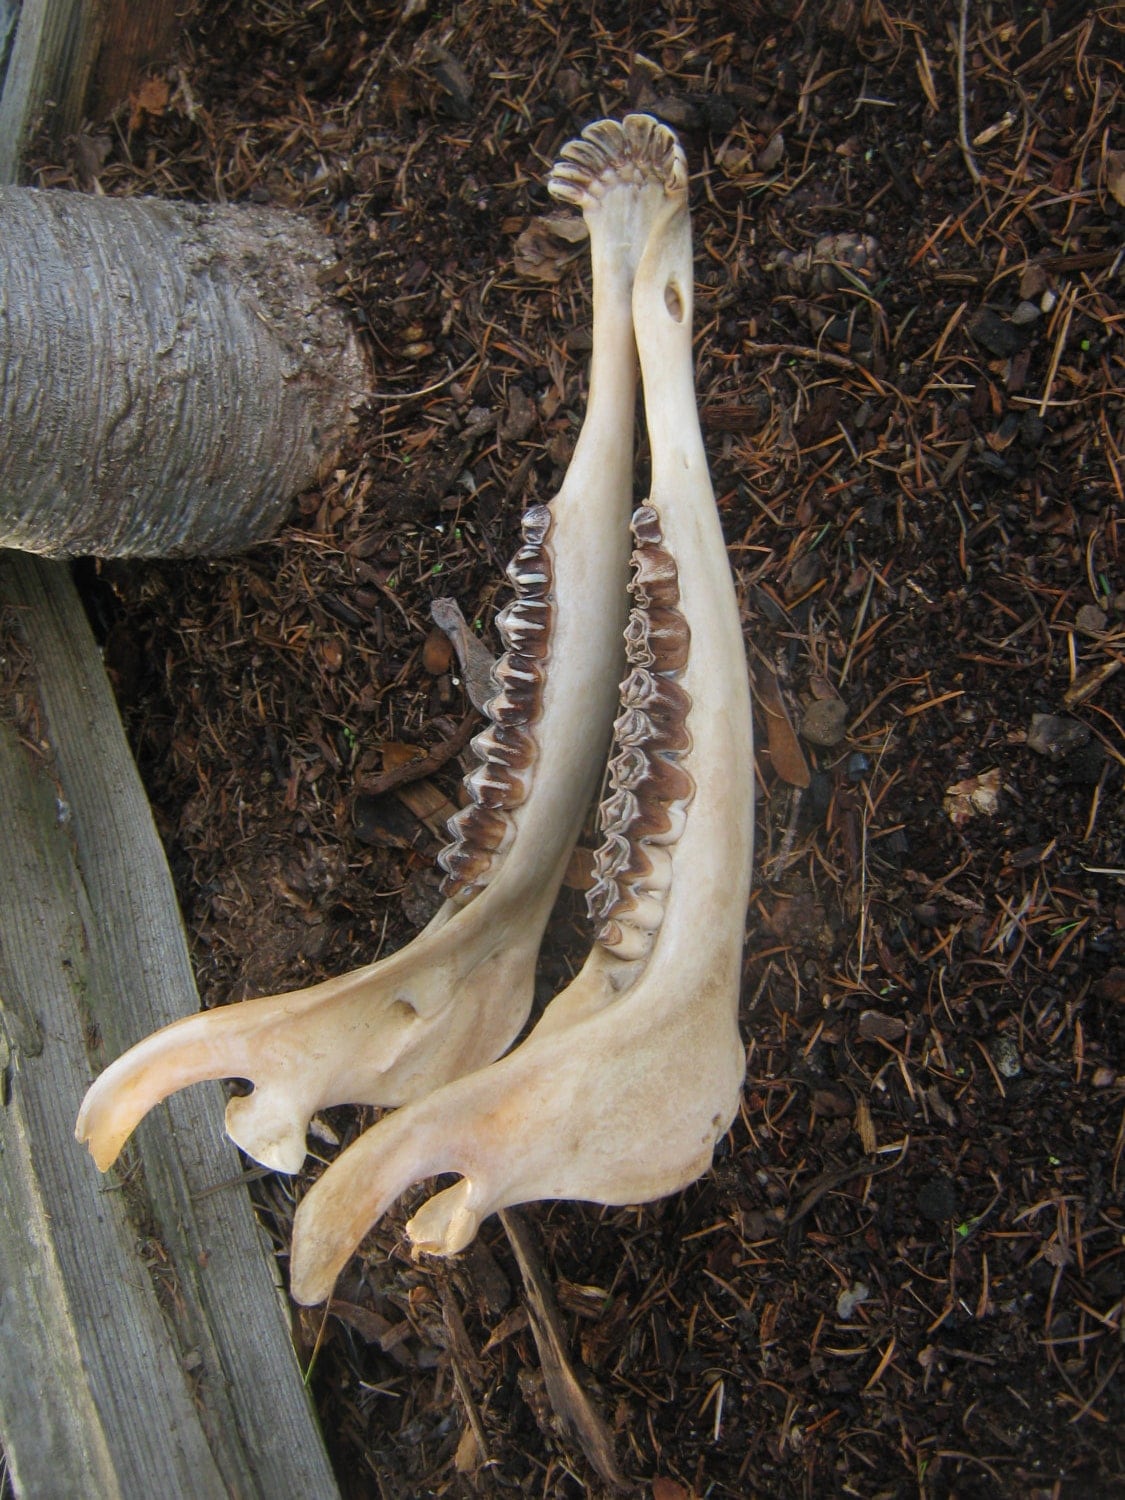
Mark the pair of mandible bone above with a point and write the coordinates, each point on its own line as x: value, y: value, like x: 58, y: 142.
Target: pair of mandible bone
x: 634, y: 1070
x: 453, y: 999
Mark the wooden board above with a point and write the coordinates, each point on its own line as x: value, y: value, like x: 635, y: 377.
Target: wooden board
x: 48, y: 69
x: 144, y: 1347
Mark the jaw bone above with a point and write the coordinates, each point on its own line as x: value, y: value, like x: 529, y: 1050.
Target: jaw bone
x: 454, y: 998
x: 622, y: 1089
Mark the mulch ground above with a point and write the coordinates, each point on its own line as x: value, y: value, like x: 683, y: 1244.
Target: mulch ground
x: 903, y: 1276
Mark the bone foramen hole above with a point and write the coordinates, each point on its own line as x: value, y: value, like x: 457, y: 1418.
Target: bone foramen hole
x: 674, y: 301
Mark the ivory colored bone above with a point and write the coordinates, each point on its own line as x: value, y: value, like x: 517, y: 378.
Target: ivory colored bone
x: 454, y: 998
x: 634, y: 1071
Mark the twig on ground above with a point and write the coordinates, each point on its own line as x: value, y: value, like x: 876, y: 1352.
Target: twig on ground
x: 962, y: 124
x: 426, y: 764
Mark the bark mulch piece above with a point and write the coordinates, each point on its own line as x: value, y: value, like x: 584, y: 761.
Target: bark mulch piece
x: 903, y: 1276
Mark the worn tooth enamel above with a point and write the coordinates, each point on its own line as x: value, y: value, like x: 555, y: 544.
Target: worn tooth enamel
x: 455, y: 997
x: 634, y: 1070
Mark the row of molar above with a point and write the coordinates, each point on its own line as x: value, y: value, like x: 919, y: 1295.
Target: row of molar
x: 643, y: 813
x: 483, y: 830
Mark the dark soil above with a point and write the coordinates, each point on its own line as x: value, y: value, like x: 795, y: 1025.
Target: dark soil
x: 903, y: 1276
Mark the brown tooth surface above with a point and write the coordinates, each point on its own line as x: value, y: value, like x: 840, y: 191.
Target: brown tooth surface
x: 506, y: 749
x: 649, y: 788
x: 660, y: 638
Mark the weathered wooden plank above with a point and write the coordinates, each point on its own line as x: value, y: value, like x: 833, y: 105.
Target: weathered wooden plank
x: 133, y: 37
x: 194, y: 1392
x: 62, y: 1277
x: 48, y: 67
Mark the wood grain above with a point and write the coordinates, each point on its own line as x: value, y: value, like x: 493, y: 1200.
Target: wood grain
x: 143, y: 1343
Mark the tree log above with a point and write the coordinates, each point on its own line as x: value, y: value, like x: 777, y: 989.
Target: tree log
x: 171, y: 376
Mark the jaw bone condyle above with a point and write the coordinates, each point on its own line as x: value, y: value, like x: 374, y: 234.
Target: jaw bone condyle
x: 634, y: 1070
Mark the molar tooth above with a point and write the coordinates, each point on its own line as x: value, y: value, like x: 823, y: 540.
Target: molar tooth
x: 535, y: 523
x: 494, y: 787
x: 633, y: 728
x: 505, y: 745
x: 612, y: 856
x: 524, y: 625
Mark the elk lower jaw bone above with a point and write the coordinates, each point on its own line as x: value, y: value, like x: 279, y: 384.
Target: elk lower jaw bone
x: 634, y: 1071
x: 453, y: 999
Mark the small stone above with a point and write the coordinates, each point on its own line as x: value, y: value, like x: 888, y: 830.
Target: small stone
x: 771, y: 153
x: 1000, y: 336
x: 1091, y: 618
x: 1055, y: 736
x: 1033, y: 429
x: 807, y: 570
x: 1033, y: 281
x: 857, y: 766
x: 848, y: 1301
x: 823, y: 722
x: 1006, y: 1055
x: 874, y: 1025
x: 1026, y: 312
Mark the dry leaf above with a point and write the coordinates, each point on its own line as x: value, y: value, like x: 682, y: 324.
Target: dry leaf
x: 1115, y: 174
x: 468, y: 1457
x: 976, y: 794
x: 865, y: 1127
x: 771, y: 153
x: 475, y: 659
x: 150, y: 99
x: 668, y: 1489
x: 785, y: 751
x: 396, y: 754
x: 546, y: 247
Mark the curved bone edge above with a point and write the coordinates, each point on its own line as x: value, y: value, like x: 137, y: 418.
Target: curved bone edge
x: 601, y: 1110
x: 454, y: 998
x: 648, y: 788
x: 483, y: 831
x: 635, y: 1067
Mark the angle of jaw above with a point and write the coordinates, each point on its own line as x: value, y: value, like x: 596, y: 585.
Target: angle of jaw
x: 634, y: 1070
x: 454, y: 998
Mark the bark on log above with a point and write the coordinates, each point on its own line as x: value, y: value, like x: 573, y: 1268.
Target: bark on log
x: 171, y: 376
